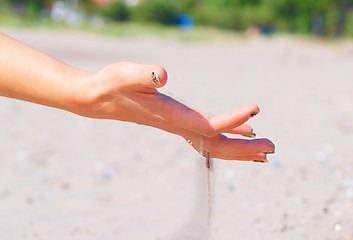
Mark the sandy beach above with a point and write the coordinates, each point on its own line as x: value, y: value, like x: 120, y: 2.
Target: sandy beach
x: 63, y: 176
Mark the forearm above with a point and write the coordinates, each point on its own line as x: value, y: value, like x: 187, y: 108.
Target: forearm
x: 30, y: 75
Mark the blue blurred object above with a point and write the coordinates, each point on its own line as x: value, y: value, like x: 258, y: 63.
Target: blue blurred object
x: 266, y: 29
x: 186, y: 22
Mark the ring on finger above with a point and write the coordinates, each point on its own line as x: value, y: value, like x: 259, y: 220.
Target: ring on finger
x: 189, y: 142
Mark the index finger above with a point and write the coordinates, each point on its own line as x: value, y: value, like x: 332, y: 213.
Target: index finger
x: 179, y: 115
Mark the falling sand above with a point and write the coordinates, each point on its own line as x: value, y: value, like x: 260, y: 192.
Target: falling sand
x: 209, y: 194
x: 198, y: 225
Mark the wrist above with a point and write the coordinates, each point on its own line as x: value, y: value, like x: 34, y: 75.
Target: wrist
x: 79, y: 93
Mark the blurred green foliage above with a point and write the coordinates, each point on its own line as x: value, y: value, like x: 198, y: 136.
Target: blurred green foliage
x: 27, y: 8
x: 117, y: 11
x: 319, y: 17
x: 157, y: 11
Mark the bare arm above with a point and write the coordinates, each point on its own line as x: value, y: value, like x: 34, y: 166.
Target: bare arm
x: 31, y: 75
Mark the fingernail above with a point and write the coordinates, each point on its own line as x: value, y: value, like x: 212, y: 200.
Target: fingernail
x: 261, y: 161
x: 270, y: 152
x: 254, y: 114
x: 251, y: 135
x: 154, y: 78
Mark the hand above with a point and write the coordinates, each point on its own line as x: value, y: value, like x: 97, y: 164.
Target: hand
x: 126, y: 91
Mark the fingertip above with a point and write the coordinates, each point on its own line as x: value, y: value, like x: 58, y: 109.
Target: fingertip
x: 158, y: 76
x: 248, y: 110
x: 253, y: 109
x: 270, y: 146
x: 244, y: 130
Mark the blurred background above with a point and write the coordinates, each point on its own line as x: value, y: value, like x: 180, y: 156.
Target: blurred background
x: 330, y: 18
x: 63, y: 176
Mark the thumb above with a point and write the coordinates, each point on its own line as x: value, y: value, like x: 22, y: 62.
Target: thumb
x: 141, y: 75
x: 156, y: 77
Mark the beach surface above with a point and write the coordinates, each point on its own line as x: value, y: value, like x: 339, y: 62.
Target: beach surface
x: 64, y: 176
